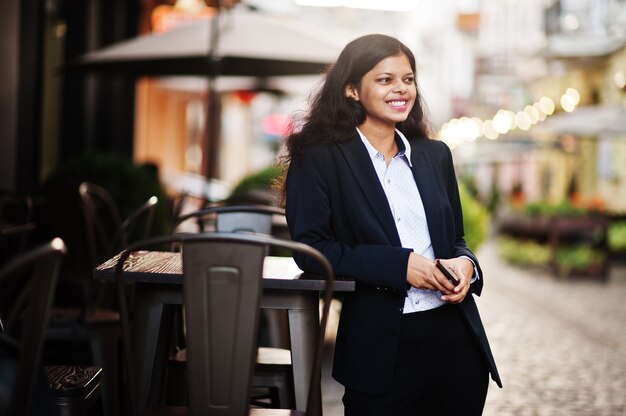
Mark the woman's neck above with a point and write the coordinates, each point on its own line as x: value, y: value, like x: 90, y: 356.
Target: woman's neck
x: 382, y: 139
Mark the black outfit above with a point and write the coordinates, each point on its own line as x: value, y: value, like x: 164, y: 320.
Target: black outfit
x: 335, y: 203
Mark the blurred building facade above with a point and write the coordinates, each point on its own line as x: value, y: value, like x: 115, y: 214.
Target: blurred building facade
x: 555, y: 71
x: 47, y: 116
x: 481, y: 64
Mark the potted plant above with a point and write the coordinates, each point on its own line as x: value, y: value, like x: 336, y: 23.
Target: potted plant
x: 580, y: 260
x: 616, y: 240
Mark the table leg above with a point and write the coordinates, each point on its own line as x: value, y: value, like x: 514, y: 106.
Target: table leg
x: 303, y: 329
x: 150, y: 329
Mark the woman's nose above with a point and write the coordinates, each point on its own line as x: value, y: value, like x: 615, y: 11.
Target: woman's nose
x: 400, y: 87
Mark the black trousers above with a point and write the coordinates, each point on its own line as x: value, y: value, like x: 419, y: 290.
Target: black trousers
x: 439, y: 370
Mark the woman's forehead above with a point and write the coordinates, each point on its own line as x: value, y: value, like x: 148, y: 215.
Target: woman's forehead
x: 393, y: 64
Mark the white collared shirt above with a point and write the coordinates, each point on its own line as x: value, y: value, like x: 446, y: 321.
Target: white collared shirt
x: 408, y: 212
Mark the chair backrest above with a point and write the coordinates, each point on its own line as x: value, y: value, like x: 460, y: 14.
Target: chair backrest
x: 222, y: 285
x: 236, y: 218
x: 102, y: 219
x: 106, y: 231
x: 38, y: 269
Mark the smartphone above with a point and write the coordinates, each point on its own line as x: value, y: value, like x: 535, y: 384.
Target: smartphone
x: 446, y: 272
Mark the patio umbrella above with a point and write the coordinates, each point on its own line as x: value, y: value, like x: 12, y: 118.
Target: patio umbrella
x: 250, y: 44
x: 239, y: 42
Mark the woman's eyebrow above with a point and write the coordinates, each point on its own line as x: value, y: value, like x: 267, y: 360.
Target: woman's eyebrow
x: 391, y: 73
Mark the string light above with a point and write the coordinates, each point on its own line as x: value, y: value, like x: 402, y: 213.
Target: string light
x: 465, y: 129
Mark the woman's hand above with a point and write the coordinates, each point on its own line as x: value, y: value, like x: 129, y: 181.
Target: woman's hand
x: 463, y: 269
x: 423, y: 274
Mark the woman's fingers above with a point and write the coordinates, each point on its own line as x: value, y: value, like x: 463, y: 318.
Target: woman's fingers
x: 444, y: 285
x: 460, y: 291
x: 422, y: 273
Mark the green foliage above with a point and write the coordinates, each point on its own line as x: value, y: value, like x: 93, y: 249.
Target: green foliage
x: 260, y: 180
x: 543, y: 208
x: 577, y: 258
x: 524, y: 252
x: 617, y: 236
x: 475, y: 219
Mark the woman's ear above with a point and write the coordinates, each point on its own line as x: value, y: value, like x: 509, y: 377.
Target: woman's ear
x: 350, y: 92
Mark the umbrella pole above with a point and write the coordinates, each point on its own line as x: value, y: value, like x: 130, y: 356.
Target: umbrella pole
x: 213, y: 105
x: 212, y: 130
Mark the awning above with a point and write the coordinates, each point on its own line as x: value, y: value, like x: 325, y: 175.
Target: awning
x: 588, y: 121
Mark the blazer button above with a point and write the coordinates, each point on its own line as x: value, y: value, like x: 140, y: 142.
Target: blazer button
x: 401, y: 309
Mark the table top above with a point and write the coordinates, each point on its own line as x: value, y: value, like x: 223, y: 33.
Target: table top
x: 166, y: 268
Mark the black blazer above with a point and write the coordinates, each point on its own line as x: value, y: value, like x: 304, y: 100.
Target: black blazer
x: 335, y: 203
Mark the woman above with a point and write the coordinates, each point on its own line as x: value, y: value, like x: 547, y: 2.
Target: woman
x: 368, y: 188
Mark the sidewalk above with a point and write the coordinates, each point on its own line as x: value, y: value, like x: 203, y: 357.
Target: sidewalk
x: 560, y: 345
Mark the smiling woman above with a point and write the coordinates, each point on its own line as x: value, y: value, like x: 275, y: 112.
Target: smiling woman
x: 367, y: 187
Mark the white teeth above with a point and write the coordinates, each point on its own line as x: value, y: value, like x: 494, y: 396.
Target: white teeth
x: 397, y: 103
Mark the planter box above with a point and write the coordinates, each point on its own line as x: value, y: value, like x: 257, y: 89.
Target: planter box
x: 560, y: 231
x: 598, y: 272
x: 522, y: 226
x: 592, y: 229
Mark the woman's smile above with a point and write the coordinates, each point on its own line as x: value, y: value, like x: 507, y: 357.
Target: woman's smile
x: 398, y: 105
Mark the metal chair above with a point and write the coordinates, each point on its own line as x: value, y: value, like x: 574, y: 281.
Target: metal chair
x: 95, y: 321
x: 107, y: 233
x: 273, y: 371
x: 260, y: 219
x: 40, y: 269
x: 234, y: 218
x: 222, y: 291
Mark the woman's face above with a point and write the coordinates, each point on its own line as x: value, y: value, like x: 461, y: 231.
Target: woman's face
x: 387, y: 91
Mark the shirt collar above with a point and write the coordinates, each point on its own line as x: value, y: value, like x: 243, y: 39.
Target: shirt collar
x: 404, y: 148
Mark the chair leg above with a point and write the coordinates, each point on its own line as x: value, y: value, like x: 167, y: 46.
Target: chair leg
x: 280, y: 394
x: 104, y: 346
x: 176, y: 391
x: 285, y: 395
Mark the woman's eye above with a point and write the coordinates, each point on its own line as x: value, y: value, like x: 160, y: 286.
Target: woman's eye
x: 384, y: 80
x: 409, y: 80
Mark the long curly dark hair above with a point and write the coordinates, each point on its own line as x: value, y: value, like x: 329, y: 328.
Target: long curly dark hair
x: 333, y: 117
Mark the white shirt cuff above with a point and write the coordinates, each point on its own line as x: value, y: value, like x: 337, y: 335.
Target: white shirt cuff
x: 475, y: 276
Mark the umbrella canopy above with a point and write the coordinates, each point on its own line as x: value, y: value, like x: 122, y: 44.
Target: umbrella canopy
x: 245, y: 44
x: 250, y: 44
x: 589, y: 121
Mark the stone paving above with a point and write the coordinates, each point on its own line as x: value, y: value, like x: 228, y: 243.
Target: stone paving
x: 560, y: 345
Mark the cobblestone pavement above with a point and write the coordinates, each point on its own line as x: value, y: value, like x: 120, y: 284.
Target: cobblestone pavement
x: 560, y: 345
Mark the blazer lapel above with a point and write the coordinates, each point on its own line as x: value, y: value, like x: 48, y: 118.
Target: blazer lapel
x: 425, y: 180
x: 361, y: 165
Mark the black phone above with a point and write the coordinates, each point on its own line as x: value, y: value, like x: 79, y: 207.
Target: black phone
x: 446, y: 272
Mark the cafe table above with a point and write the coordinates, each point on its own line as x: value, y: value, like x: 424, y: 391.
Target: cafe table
x: 158, y: 277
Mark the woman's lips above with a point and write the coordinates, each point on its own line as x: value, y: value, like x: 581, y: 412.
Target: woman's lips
x: 397, y: 104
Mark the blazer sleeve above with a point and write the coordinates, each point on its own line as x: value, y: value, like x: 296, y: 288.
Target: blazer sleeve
x: 309, y: 192
x: 460, y: 246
